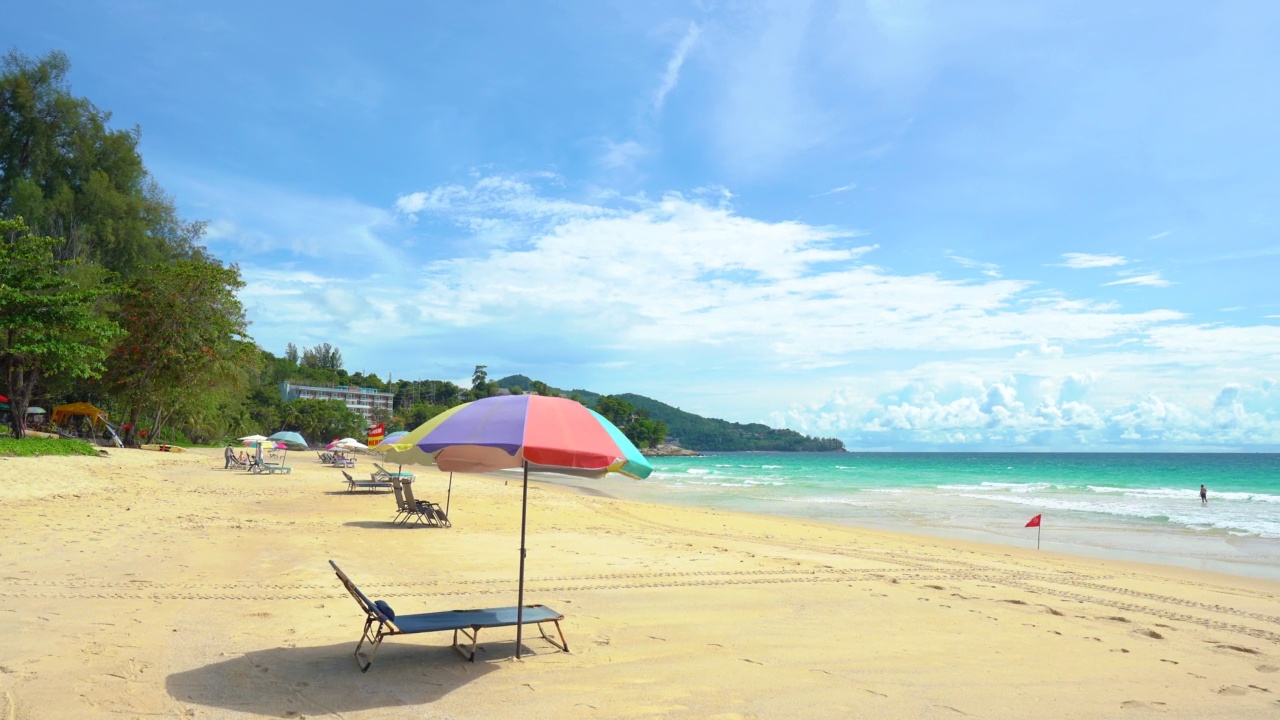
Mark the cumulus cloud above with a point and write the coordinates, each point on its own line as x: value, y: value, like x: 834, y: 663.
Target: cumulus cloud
x: 979, y: 413
x: 1086, y: 261
x: 659, y: 293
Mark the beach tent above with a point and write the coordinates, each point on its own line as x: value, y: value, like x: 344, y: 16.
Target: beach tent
x: 62, y: 413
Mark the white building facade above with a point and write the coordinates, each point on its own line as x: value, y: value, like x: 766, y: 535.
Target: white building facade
x: 359, y: 399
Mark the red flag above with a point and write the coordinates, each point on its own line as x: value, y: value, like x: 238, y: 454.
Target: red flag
x: 1034, y: 522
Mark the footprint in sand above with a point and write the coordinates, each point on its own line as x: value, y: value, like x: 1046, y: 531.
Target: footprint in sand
x: 1267, y: 668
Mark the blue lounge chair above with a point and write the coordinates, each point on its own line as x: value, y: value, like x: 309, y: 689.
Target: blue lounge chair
x: 468, y: 622
x: 353, y: 484
x: 384, y: 474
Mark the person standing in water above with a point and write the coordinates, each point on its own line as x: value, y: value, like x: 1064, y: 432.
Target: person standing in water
x: 1204, y: 496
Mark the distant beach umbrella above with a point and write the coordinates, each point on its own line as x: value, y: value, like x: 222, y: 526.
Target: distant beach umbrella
x: 292, y: 439
x: 531, y: 432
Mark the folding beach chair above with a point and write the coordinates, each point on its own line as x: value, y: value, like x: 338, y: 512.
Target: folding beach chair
x: 467, y: 622
x: 431, y: 513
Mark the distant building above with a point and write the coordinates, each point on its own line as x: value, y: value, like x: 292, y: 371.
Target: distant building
x: 359, y: 399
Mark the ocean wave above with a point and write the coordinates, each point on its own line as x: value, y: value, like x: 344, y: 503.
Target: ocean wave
x: 1184, y: 493
x: 1189, y: 515
x: 1011, y: 487
x: 819, y: 500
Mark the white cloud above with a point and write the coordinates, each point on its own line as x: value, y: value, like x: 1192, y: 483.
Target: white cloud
x: 672, y: 74
x: 989, y: 269
x: 256, y: 220
x: 1148, y: 280
x: 623, y: 154
x: 658, y: 293
x: 1017, y: 410
x: 837, y: 190
x: 1085, y: 261
x: 1160, y: 235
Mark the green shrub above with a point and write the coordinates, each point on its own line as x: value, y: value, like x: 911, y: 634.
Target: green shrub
x: 35, y: 447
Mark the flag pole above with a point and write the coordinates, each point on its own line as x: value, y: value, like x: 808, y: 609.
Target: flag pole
x: 1037, y: 537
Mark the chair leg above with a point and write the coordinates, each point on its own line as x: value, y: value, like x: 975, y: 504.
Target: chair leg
x: 473, y: 636
x: 375, y: 642
x: 563, y: 645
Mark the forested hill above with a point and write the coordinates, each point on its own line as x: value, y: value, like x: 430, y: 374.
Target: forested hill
x: 698, y: 433
x: 695, y: 432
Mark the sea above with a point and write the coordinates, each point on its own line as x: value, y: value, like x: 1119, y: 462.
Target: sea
x: 1131, y: 506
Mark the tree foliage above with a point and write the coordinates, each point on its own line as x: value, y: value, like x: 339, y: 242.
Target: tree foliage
x: 322, y: 420
x: 321, y: 357
x: 73, y: 177
x: 186, y: 330
x: 49, y: 324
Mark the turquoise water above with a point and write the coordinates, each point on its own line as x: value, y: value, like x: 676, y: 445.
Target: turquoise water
x: 1132, y: 506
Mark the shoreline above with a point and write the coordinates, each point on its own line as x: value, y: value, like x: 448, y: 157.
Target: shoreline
x: 158, y: 584
x: 1071, y: 538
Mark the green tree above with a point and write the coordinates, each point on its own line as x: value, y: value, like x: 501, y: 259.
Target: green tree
x: 322, y: 420
x: 322, y: 357
x: 540, y: 388
x: 291, y: 353
x: 615, y: 409
x: 186, y: 330
x: 480, y: 381
x: 73, y: 177
x: 49, y: 325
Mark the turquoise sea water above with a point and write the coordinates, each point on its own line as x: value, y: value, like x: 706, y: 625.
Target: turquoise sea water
x: 1130, y: 506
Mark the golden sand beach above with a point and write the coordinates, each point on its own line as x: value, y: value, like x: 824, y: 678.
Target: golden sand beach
x: 150, y: 584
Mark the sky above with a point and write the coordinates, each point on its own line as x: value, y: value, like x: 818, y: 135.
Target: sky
x: 910, y: 225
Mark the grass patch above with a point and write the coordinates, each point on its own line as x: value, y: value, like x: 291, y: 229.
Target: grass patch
x: 35, y: 447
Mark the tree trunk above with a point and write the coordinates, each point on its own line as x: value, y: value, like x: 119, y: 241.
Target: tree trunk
x: 21, y: 385
x: 130, y: 435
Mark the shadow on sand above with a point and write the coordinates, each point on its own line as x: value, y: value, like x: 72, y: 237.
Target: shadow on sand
x: 388, y: 525
x: 289, y: 682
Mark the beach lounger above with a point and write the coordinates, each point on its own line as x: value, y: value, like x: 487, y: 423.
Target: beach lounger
x: 467, y: 622
x: 385, y: 474
x: 257, y: 468
x: 353, y: 483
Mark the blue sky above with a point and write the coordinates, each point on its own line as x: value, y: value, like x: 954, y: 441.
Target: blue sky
x: 909, y: 225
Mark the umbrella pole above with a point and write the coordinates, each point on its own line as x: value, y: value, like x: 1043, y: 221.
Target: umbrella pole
x: 524, y: 514
x: 448, y: 497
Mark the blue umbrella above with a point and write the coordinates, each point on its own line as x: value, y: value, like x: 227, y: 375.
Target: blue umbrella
x: 290, y: 440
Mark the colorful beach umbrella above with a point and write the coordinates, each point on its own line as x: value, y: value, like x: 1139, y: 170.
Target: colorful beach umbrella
x: 531, y: 432
x: 392, y: 438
